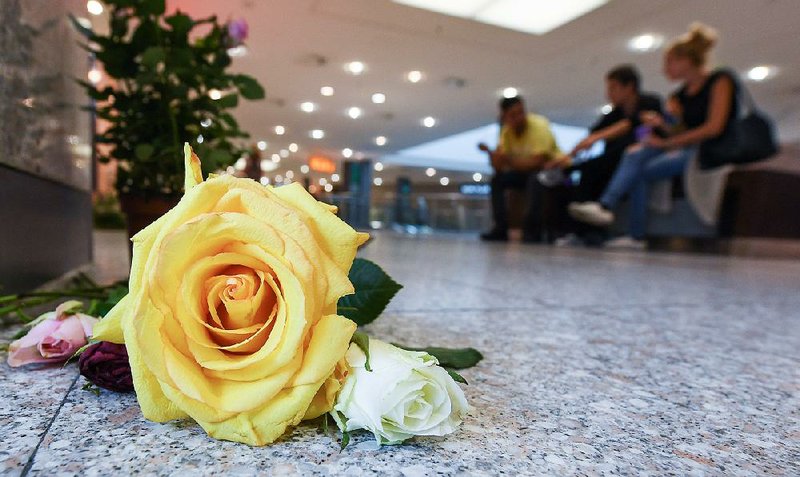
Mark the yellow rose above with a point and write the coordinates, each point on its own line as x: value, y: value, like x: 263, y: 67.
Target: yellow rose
x: 231, y: 314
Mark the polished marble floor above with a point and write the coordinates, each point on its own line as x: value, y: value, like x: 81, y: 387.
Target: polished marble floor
x: 597, y: 363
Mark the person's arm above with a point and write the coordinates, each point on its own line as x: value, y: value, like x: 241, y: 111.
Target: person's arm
x: 619, y: 128
x: 720, y: 105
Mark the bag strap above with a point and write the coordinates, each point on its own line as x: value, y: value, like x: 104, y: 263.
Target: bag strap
x: 746, y: 102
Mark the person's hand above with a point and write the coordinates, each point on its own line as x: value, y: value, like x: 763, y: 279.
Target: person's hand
x: 584, y: 144
x: 652, y: 119
x: 561, y: 162
x: 498, y: 160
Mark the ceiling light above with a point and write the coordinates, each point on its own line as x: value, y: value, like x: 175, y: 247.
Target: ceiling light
x: 326, y: 91
x: 323, y: 181
x: 378, y: 98
x: 94, y: 75
x: 293, y: 147
x: 355, y: 67
x: 380, y: 140
x: 308, y: 107
x: 265, y: 180
x: 606, y: 108
x: 444, y: 181
x: 760, y: 73
x: 284, y: 153
x: 414, y: 76
x: 262, y: 145
x: 240, y: 164
x: 328, y: 188
x: 335, y: 178
x: 354, y: 112
x: 94, y: 7
x: 429, y: 122
x: 205, y: 122
x: 377, y: 181
x: 289, y: 174
x: 645, y: 43
x: 510, y: 92
x: 280, y: 130
x: 477, y: 177
x: 276, y: 158
x: 278, y: 178
x: 430, y: 172
x: 304, y: 169
x: 347, y: 153
x: 200, y: 139
x: 317, y: 134
x: 378, y: 166
x: 527, y: 16
x: 214, y: 94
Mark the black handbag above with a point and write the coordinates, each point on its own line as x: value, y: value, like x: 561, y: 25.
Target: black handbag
x: 749, y: 138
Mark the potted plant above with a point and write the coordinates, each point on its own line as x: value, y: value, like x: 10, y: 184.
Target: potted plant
x: 167, y: 84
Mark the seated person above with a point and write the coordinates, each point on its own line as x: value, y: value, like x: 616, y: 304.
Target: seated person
x: 525, y: 146
x: 617, y: 129
x: 707, y: 104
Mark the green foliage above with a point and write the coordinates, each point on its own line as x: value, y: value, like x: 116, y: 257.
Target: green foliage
x: 374, y: 290
x: 162, y: 69
x: 452, y: 358
x: 362, y: 341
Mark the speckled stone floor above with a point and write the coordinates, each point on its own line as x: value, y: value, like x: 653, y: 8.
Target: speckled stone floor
x: 597, y: 363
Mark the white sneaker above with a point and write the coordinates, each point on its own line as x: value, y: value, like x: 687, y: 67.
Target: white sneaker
x: 626, y: 243
x: 591, y: 212
x: 569, y: 240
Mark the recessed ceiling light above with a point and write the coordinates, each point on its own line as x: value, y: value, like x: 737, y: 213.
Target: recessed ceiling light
x: 429, y: 122
x: 317, y: 134
x: 347, y: 153
x: 293, y: 147
x: 304, y: 169
x: 606, y: 108
x: 380, y: 140
x: 414, y: 76
x: 278, y: 178
x: 326, y: 91
x: 276, y: 158
x: 377, y: 181
x: 477, y: 177
x: 355, y: 67
x: 284, y: 152
x: 444, y: 181
x: 323, y: 181
x: 430, y: 172
x: 280, y: 130
x: 354, y: 112
x: 262, y: 145
x: 94, y: 7
x: 378, y: 98
x: 378, y: 166
x: 200, y: 139
x: 289, y: 174
x: 205, y: 122
x: 644, y: 43
x: 760, y: 73
x: 265, y: 180
x: 526, y: 16
x: 214, y: 94
x: 335, y: 178
x: 308, y: 107
x: 95, y: 76
x: 328, y: 188
x: 510, y: 92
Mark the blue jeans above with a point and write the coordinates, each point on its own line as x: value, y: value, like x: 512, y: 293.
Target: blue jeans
x: 633, y: 176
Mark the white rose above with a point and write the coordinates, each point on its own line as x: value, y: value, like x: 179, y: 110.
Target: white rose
x: 406, y: 394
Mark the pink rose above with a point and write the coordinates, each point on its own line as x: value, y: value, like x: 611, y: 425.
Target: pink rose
x: 56, y: 336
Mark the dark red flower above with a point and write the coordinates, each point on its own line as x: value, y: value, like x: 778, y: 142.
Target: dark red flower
x: 106, y: 365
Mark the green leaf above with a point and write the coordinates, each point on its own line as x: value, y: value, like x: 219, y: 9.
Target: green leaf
x: 362, y: 341
x: 456, y: 377
x: 153, y: 56
x: 228, y: 101
x: 345, y: 440
x: 374, y: 290
x: 151, y: 7
x: 249, y: 87
x: 180, y: 23
x: 144, y: 151
x: 455, y: 358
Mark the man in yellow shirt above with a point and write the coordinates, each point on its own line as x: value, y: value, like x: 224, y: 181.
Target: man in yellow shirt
x: 526, y: 146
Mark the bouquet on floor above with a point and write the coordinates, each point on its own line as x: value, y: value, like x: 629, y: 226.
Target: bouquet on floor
x: 242, y: 313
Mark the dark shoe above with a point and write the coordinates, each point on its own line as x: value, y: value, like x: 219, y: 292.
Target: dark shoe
x: 528, y: 237
x: 495, y: 235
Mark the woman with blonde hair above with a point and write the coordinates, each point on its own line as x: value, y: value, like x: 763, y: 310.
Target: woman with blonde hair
x: 708, y: 106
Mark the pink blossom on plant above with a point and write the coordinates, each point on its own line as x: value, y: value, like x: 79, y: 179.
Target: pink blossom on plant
x: 237, y: 31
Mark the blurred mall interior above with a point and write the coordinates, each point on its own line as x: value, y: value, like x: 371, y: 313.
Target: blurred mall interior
x: 379, y: 106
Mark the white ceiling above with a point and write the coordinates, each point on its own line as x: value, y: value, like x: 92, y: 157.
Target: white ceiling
x: 560, y: 73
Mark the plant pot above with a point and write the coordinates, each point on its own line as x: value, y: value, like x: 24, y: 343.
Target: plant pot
x: 142, y: 211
